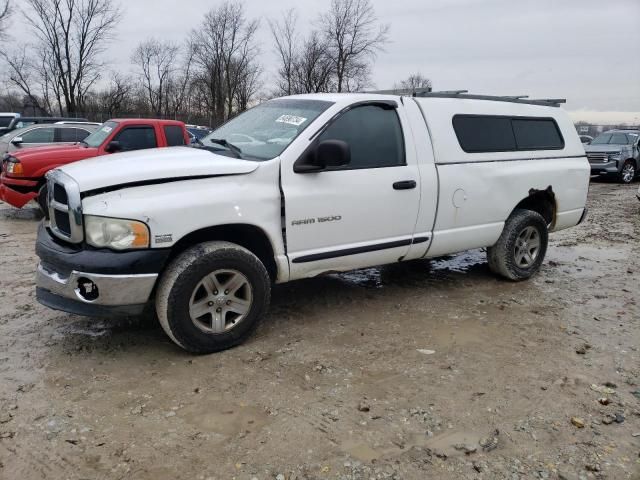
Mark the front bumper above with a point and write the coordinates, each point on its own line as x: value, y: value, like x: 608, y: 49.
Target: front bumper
x: 95, y: 282
x: 17, y: 192
x: 605, y: 168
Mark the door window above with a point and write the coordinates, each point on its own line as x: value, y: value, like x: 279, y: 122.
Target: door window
x: 374, y: 135
x: 174, y: 136
x: 72, y: 135
x: 137, y: 138
x: 38, y: 135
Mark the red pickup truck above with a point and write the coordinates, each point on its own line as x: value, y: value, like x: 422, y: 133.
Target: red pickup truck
x: 22, y: 177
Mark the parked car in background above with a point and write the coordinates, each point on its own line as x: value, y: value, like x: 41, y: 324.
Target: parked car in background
x: 43, y: 134
x: 197, y: 133
x: 323, y: 183
x: 615, y: 152
x: 21, y: 122
x: 5, y: 119
x: 72, y: 122
x: 586, y: 139
x: 23, y: 171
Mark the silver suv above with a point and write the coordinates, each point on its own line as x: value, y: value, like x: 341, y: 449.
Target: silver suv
x: 40, y: 135
x: 615, y: 152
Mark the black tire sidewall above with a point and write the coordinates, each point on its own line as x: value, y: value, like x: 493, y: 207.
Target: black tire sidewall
x: 189, y: 335
x: 521, y: 220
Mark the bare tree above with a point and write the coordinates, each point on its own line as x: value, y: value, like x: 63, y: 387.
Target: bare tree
x: 414, y: 82
x: 24, y: 75
x: 225, y: 51
x: 156, y: 61
x: 355, y: 37
x: 285, y: 38
x: 313, y: 68
x: 5, y: 12
x: 249, y: 84
x: 306, y: 65
x: 73, y: 33
x: 116, y: 97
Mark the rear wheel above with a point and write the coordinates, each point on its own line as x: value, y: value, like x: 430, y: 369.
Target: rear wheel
x: 212, y: 297
x: 628, y: 172
x: 522, y: 246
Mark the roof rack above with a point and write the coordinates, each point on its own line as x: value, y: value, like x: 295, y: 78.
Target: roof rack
x: 402, y: 91
x: 547, y: 102
x: 427, y: 92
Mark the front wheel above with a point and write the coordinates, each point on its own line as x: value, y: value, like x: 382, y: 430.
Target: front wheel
x: 628, y: 172
x: 522, y: 246
x: 42, y: 199
x: 212, y: 296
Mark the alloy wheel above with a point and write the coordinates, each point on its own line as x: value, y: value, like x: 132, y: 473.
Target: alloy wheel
x: 220, y: 301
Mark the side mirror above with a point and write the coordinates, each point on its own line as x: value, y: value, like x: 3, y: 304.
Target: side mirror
x: 17, y: 140
x: 328, y: 153
x: 113, y: 147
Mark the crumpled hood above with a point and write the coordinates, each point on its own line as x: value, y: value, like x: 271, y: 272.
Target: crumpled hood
x: 604, y: 148
x: 153, y: 165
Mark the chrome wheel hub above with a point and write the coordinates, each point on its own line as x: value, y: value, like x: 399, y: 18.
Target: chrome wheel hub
x: 220, y: 301
x: 628, y: 172
x: 527, y: 247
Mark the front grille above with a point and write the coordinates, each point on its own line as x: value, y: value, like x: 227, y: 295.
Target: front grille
x: 65, y: 209
x: 62, y: 222
x: 598, y: 157
x: 60, y: 194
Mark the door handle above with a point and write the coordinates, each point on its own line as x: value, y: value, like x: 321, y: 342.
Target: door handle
x: 405, y: 185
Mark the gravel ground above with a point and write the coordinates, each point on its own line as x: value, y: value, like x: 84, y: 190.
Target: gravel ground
x: 425, y: 370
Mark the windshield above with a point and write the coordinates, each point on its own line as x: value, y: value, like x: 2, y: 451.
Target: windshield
x: 96, y: 138
x: 614, y: 139
x: 263, y: 132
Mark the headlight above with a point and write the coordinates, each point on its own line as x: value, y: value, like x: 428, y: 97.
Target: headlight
x: 614, y: 156
x: 14, y: 167
x: 115, y: 233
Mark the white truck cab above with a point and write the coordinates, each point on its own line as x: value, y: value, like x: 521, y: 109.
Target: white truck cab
x: 301, y: 186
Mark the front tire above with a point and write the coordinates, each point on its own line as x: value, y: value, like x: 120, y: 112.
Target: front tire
x: 212, y: 297
x: 522, y: 246
x: 42, y: 199
x: 628, y: 172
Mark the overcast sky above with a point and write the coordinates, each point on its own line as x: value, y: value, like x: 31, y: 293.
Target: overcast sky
x: 587, y: 51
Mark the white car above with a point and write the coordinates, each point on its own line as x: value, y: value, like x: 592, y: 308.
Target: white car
x: 201, y: 234
x: 5, y: 120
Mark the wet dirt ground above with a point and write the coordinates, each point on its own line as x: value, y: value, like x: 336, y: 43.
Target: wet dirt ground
x: 426, y: 370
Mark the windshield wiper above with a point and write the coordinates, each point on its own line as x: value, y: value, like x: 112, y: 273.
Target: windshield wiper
x: 230, y: 146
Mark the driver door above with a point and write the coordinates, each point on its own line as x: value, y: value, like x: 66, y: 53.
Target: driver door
x: 360, y: 214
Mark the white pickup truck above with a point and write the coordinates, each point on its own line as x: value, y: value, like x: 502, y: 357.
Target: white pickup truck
x: 301, y: 186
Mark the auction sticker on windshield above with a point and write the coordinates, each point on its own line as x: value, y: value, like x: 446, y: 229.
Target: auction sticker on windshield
x: 291, y: 120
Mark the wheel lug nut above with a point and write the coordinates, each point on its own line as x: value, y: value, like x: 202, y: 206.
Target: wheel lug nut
x: 218, y: 310
x: 215, y: 292
x: 228, y: 302
x: 226, y: 292
x: 210, y: 304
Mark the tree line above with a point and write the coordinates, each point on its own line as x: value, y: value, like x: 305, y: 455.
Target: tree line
x: 211, y: 76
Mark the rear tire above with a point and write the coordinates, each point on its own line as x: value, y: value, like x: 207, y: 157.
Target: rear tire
x: 521, y: 248
x: 212, y: 297
x: 628, y: 172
